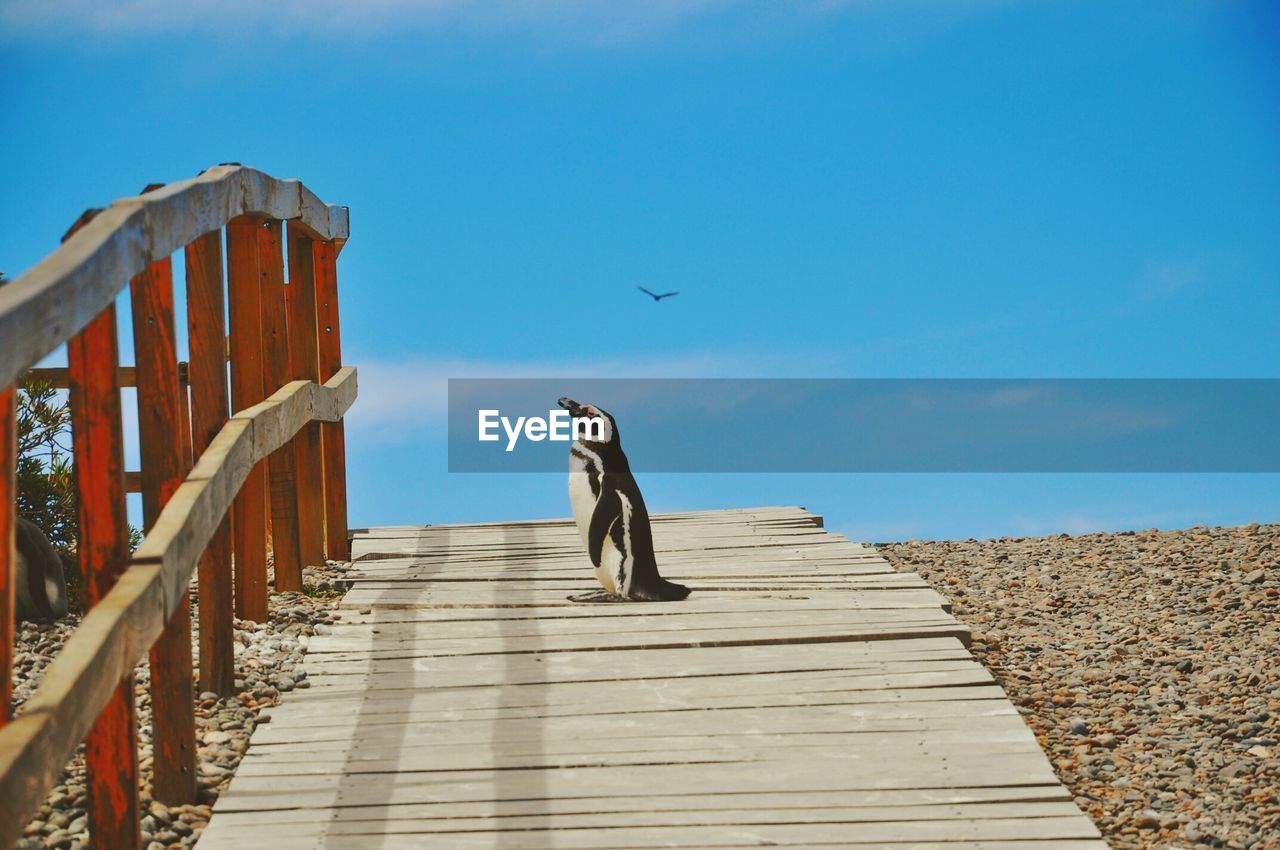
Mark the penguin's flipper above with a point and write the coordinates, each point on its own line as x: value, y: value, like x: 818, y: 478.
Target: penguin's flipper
x: 608, y: 509
x: 597, y: 596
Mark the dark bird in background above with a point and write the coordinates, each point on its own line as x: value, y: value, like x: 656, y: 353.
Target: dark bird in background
x: 656, y: 297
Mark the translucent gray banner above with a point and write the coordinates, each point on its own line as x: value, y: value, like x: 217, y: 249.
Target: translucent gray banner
x: 877, y: 425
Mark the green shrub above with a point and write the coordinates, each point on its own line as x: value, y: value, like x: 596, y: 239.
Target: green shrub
x: 46, y: 483
x: 46, y: 486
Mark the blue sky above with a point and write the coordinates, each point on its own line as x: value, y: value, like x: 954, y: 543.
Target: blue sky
x: 837, y: 189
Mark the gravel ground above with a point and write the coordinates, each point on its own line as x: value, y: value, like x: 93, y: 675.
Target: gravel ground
x: 1147, y: 663
x: 268, y: 663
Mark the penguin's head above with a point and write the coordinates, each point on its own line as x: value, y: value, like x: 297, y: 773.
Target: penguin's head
x: 605, y: 433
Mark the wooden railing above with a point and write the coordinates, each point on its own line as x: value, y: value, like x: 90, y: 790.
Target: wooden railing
x: 205, y: 495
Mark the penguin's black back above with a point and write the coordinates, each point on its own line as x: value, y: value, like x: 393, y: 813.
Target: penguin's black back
x: 646, y: 583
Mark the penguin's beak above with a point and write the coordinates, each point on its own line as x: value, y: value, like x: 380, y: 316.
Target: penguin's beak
x: 570, y: 405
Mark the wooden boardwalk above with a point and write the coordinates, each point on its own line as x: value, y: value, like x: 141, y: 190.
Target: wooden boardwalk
x: 804, y: 695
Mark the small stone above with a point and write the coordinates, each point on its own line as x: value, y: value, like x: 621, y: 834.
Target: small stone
x: 1147, y: 819
x: 1079, y: 727
x: 1256, y: 576
x: 59, y: 839
x: 79, y: 825
x: 208, y: 695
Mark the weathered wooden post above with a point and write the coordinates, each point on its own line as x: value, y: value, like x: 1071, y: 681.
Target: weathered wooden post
x: 111, y: 750
x: 335, y: 451
x: 249, y: 517
x: 207, y: 342
x: 276, y: 373
x: 305, y: 359
x: 163, y: 468
x: 8, y: 555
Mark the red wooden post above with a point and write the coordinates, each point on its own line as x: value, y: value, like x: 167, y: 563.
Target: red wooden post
x: 111, y: 752
x: 249, y: 517
x: 8, y: 555
x: 334, y: 438
x: 207, y: 372
x: 275, y: 363
x: 163, y: 468
x: 305, y: 359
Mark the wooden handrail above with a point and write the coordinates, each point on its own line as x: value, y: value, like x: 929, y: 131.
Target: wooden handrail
x: 138, y: 603
x: 117, y: 632
x: 47, y: 305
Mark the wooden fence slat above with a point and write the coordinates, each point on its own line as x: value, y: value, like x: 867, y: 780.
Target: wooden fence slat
x: 305, y: 360
x: 111, y: 752
x: 60, y: 376
x: 249, y: 518
x: 276, y: 373
x: 8, y: 554
x: 206, y: 339
x: 333, y: 436
x: 163, y: 468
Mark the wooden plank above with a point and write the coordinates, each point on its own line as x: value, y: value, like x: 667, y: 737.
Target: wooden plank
x: 910, y: 703
x: 333, y: 438
x: 529, y: 783
x: 546, y: 815
x: 275, y: 374
x: 304, y: 358
x: 8, y: 552
x: 111, y: 753
x: 249, y: 527
x: 60, y: 295
x: 913, y: 804
x: 60, y: 376
x: 691, y: 722
x: 920, y: 834
x: 711, y: 662
x: 884, y: 625
x: 163, y: 466
x: 206, y: 339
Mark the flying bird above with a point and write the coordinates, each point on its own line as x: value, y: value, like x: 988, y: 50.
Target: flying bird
x: 654, y: 295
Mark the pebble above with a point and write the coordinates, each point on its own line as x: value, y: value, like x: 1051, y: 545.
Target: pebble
x: 1145, y: 662
x: 269, y: 659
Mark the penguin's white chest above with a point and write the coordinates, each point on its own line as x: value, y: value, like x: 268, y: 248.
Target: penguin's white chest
x: 584, y: 466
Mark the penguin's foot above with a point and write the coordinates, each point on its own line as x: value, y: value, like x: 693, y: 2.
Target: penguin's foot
x: 597, y: 596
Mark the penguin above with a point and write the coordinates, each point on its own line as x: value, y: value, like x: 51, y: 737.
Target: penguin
x: 611, y: 517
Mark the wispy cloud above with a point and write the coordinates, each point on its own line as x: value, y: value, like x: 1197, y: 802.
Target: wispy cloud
x: 399, y: 398
x: 1167, y: 278
x: 578, y: 21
